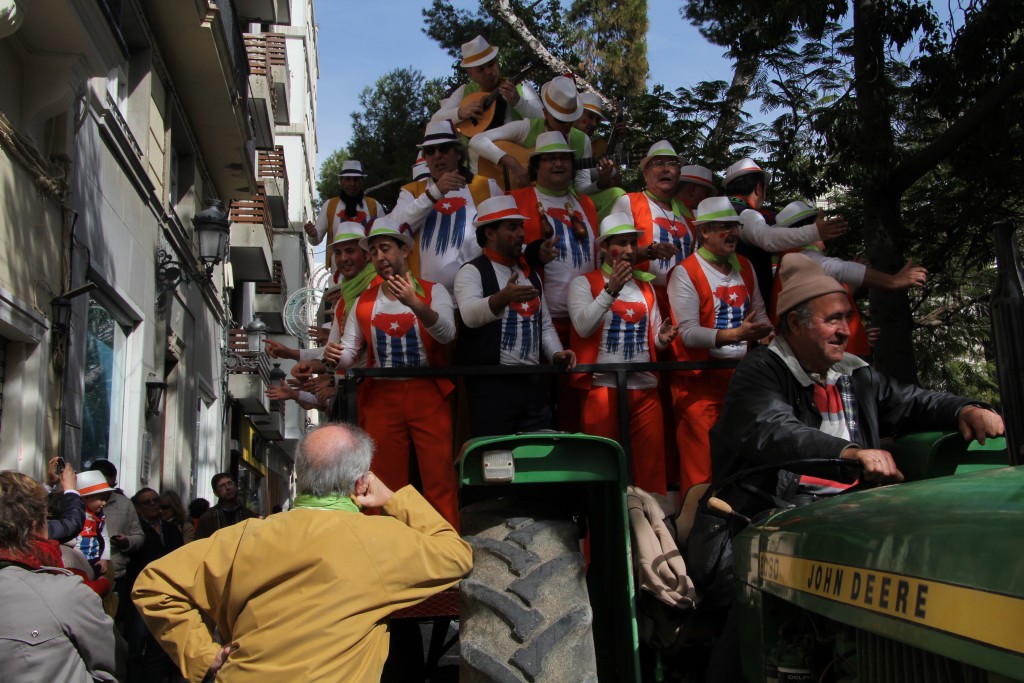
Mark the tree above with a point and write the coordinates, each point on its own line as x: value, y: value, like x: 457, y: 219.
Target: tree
x: 896, y: 125
x: 327, y: 183
x: 390, y: 125
x: 612, y: 39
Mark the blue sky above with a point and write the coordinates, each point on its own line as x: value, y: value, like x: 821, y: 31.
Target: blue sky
x: 361, y: 41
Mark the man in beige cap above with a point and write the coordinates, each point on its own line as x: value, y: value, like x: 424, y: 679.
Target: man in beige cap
x: 801, y: 397
x: 480, y: 60
x: 562, y: 107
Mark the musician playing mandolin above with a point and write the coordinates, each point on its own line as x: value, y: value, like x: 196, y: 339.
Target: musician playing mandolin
x: 480, y: 60
x: 562, y: 106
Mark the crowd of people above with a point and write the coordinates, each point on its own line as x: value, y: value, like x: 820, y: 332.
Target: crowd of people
x: 546, y: 260
x: 516, y: 247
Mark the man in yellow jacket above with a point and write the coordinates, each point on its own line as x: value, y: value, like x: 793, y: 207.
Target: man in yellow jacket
x: 305, y: 595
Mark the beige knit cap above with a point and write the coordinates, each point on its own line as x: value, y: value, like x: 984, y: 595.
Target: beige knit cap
x: 803, y: 279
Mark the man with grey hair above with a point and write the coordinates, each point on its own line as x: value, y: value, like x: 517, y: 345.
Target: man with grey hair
x: 801, y: 397
x: 305, y: 595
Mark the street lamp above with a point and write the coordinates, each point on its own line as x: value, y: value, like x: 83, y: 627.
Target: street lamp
x: 256, y: 332
x: 154, y: 394
x: 213, y: 227
x: 277, y: 376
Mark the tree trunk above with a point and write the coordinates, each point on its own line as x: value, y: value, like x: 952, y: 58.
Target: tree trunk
x: 716, y: 152
x: 883, y: 224
x: 503, y: 10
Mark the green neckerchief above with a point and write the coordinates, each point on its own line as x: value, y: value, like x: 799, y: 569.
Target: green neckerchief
x: 677, y: 208
x: 641, y: 275
x: 354, y: 286
x: 731, y: 259
x: 329, y: 503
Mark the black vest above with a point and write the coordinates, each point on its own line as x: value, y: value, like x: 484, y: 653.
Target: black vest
x: 482, y: 345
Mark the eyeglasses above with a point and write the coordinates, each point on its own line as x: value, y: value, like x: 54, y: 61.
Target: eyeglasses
x: 438, y: 149
x: 665, y: 161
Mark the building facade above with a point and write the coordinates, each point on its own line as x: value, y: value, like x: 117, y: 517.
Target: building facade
x: 122, y: 122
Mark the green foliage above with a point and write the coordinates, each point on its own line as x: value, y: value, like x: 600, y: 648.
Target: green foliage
x: 327, y: 183
x: 612, y: 38
x: 390, y: 125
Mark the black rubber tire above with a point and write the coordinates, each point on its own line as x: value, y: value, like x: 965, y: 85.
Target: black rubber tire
x: 525, y: 614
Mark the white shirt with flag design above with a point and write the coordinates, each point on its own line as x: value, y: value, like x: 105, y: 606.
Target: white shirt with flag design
x: 447, y: 238
x: 574, y: 257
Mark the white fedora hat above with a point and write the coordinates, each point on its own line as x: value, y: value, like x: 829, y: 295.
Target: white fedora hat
x: 617, y: 224
x: 794, y: 213
x: 698, y: 175
x: 742, y: 167
x: 561, y: 99
x: 497, y: 209
x: 476, y: 52
x: 661, y: 148
x: 386, y: 226
x: 351, y: 169
x: 716, y: 210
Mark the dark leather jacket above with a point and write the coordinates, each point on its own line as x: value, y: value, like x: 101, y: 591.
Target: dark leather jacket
x: 769, y: 417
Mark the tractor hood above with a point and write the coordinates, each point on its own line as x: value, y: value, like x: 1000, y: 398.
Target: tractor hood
x: 945, y: 554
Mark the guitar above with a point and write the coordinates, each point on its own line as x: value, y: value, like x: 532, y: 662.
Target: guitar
x: 471, y: 127
x: 489, y: 169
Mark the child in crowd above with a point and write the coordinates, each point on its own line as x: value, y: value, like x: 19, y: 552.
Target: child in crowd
x: 93, y: 541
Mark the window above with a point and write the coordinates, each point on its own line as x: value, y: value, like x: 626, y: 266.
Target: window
x: 103, y: 402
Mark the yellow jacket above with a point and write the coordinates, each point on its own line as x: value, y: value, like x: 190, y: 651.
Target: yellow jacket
x: 305, y: 594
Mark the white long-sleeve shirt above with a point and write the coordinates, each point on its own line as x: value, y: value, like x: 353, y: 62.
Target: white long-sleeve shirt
x: 848, y: 272
x: 398, y: 343
x: 475, y: 309
x: 624, y: 321
x: 773, y: 239
x: 445, y: 230
x: 733, y: 303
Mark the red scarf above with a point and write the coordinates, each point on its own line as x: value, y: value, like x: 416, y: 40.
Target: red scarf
x: 507, y: 262
x: 42, y: 553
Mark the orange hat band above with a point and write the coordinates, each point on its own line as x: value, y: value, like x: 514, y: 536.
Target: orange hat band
x: 95, y: 488
x: 560, y: 109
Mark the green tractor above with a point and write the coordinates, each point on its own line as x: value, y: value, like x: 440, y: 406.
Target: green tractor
x: 918, y: 582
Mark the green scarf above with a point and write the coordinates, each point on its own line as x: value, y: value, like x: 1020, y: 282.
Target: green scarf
x: 641, y: 275
x: 677, y: 208
x: 731, y: 259
x: 308, y: 502
x: 353, y: 287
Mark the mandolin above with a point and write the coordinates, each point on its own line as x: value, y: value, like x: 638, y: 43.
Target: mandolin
x: 496, y: 172
x: 471, y: 127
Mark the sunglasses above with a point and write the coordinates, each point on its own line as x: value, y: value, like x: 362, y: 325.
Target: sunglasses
x: 439, y: 149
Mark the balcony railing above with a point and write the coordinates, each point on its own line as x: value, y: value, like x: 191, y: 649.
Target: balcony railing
x: 270, y: 163
x: 257, y: 51
x: 253, y: 211
x: 275, y: 286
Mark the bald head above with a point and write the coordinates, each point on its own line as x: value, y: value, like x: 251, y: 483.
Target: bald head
x: 331, y: 459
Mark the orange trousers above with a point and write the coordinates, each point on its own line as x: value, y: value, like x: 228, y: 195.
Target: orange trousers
x: 697, y: 401
x: 412, y: 412
x: 599, y: 416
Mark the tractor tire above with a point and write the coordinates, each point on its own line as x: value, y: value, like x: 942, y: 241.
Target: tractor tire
x: 525, y: 614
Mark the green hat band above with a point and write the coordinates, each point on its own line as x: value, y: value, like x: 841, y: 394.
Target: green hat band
x: 718, y: 215
x: 345, y: 236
